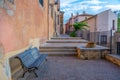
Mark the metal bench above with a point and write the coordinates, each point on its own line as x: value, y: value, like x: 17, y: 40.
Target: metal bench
x: 31, y: 59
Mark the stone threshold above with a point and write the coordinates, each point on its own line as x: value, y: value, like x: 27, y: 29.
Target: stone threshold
x: 114, y: 58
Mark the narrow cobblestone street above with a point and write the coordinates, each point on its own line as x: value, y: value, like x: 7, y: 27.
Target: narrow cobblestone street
x: 71, y: 68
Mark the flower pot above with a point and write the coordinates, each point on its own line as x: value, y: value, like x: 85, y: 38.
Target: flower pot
x: 90, y: 45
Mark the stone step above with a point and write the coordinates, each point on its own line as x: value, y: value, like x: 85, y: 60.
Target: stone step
x: 67, y: 41
x: 61, y: 45
x: 58, y: 50
x: 52, y: 47
x: 66, y: 38
x: 61, y: 53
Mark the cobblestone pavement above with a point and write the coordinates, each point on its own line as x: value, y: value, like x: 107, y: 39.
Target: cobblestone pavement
x: 71, y: 68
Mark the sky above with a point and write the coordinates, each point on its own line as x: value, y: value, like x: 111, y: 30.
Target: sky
x: 89, y: 6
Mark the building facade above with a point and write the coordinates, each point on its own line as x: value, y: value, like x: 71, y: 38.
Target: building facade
x: 76, y: 18
x: 25, y: 23
x: 100, y: 26
x: 55, y: 14
x: 61, y: 22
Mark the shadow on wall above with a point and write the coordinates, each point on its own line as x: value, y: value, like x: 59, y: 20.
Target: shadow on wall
x: 34, y: 43
x: 3, y: 65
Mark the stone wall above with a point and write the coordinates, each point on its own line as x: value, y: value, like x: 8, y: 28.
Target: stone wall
x: 16, y: 68
x: 113, y: 58
x: 91, y: 54
x: 116, y: 39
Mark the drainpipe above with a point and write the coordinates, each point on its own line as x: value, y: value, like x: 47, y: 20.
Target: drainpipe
x: 95, y: 31
x: 111, y: 41
x: 48, y: 21
x: 55, y: 32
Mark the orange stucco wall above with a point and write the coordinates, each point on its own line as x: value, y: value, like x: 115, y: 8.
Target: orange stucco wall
x: 30, y: 20
x: 92, y: 24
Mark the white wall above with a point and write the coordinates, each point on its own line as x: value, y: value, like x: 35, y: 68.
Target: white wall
x: 105, y: 21
x: 112, y: 16
x: 81, y: 18
x: 102, y: 21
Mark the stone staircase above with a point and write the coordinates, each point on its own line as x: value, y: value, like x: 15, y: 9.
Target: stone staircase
x: 62, y: 46
x: 57, y: 51
x: 66, y: 38
x: 66, y: 41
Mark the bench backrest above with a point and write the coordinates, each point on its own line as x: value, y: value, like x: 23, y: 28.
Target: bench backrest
x: 29, y: 56
x: 35, y: 53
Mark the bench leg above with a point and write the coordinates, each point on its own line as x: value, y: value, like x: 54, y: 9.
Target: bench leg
x: 35, y: 73
x: 46, y: 59
x: 24, y: 74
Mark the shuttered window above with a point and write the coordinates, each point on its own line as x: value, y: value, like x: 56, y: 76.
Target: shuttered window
x: 103, y: 39
x: 118, y: 47
x: 41, y: 2
x: 11, y: 1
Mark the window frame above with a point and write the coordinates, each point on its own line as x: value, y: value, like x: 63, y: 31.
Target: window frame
x: 52, y: 11
x: 58, y: 19
x: 41, y: 2
x: 113, y: 24
x: 103, y: 39
x: 11, y: 1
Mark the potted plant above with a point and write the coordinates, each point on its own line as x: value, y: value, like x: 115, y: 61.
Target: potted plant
x: 90, y: 45
x: 78, y: 26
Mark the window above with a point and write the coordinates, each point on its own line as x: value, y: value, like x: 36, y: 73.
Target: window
x: 56, y: 1
x: 55, y: 21
x: 118, y: 47
x: 113, y: 25
x: 52, y: 11
x: 58, y: 19
x: 103, y: 39
x: 41, y: 2
x: 88, y: 36
x: 11, y: 1
x: 76, y: 20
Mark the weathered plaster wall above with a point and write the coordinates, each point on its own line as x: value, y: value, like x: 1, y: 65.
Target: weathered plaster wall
x: 29, y: 21
x: 23, y: 23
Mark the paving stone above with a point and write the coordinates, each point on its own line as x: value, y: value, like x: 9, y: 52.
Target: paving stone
x: 72, y: 68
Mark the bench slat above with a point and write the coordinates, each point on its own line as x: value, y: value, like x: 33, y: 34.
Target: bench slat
x: 27, y: 58
x: 31, y: 59
x: 39, y: 61
x: 35, y: 53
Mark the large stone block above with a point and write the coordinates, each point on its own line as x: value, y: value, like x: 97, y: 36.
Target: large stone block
x: 16, y: 68
x: 91, y: 54
x: 113, y: 58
